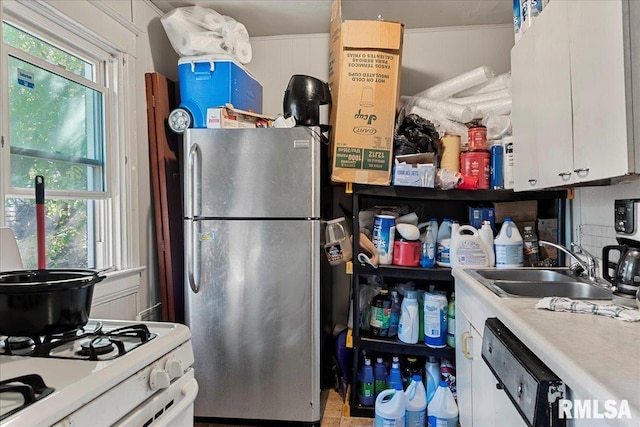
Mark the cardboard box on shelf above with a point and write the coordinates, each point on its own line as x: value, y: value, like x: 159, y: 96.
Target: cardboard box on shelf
x: 228, y: 118
x: 364, y: 76
x: 415, y: 170
x: 521, y: 211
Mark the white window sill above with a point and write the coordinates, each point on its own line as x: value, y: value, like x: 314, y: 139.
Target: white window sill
x: 117, y: 284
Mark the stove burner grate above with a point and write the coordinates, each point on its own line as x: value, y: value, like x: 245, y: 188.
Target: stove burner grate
x: 94, y: 345
x: 31, y: 387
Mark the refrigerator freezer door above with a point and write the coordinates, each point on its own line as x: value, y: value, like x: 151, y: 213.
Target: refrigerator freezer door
x: 255, y: 319
x: 252, y: 173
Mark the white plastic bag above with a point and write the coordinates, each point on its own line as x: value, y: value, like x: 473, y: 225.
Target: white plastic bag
x: 195, y: 30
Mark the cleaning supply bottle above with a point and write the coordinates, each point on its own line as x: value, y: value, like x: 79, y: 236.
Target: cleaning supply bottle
x: 468, y: 248
x: 428, y: 250
x: 395, y: 314
x: 366, y: 390
x: 409, y: 324
x: 486, y: 234
x: 455, y: 226
x: 390, y: 408
x: 508, y: 246
x: 415, y: 403
x: 435, y: 319
x: 380, y: 314
x: 531, y: 248
x: 443, y: 410
x: 379, y: 376
x: 410, y: 369
x: 432, y: 376
x: 451, y: 321
x: 395, y: 377
x: 444, y: 243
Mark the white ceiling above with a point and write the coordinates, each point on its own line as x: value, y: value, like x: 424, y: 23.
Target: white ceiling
x: 281, y: 17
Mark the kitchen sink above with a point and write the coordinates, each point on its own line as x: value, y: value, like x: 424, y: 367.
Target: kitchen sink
x: 539, y: 283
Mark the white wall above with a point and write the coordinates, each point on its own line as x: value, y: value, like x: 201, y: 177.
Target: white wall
x: 592, y: 214
x: 429, y: 57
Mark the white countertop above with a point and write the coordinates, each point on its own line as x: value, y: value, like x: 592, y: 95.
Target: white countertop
x: 596, y: 356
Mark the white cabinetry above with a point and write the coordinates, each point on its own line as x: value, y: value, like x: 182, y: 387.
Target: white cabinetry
x: 573, y: 97
x: 480, y: 403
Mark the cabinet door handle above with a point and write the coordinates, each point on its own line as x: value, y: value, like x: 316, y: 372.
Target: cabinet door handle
x: 466, y: 337
x: 581, y: 170
x: 533, y: 181
x: 564, y: 174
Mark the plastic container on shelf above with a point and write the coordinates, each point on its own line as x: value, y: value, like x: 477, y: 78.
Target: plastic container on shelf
x: 409, y: 322
x: 451, y: 321
x: 486, y: 234
x: 507, y: 143
x: 530, y: 247
x: 444, y: 243
x: 410, y: 369
x: 395, y: 314
x: 508, y: 245
x: 366, y: 390
x: 432, y: 376
x: 428, y: 250
x: 379, y: 376
x: 443, y: 409
x: 390, y: 408
x: 496, y: 174
x: 415, y: 403
x: 435, y: 319
x: 468, y: 249
x: 380, y: 314
x: 395, y: 376
x: 455, y: 226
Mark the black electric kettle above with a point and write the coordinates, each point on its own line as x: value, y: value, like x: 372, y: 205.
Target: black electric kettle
x: 303, y: 97
x: 626, y: 275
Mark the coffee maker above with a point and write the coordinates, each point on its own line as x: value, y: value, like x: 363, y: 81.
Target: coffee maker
x: 624, y: 273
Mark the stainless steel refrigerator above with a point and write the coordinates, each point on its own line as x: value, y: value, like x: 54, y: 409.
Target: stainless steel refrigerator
x: 252, y: 271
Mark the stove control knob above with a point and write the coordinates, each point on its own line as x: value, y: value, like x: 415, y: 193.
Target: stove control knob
x: 159, y: 378
x: 174, y: 368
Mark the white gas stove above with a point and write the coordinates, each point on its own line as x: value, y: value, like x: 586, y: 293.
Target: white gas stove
x: 108, y: 373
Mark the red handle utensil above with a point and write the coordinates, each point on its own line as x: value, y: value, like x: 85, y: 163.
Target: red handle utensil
x: 42, y: 262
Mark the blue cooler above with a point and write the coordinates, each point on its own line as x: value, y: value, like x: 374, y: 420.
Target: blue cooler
x: 209, y: 81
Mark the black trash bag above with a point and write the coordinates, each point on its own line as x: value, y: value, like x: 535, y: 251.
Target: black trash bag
x: 415, y: 135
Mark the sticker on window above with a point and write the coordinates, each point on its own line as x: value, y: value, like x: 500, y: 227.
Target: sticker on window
x: 25, y: 78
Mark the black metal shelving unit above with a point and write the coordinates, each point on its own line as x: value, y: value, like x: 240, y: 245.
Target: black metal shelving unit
x: 452, y: 203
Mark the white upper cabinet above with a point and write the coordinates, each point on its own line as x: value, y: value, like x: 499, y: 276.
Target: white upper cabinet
x: 582, y: 108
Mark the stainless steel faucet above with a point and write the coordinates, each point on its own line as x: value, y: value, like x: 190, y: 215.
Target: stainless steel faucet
x: 590, y: 266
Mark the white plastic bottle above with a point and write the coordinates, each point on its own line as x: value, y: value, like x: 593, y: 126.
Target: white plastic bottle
x: 444, y: 244
x: 443, y: 410
x: 455, y: 226
x: 432, y: 376
x: 508, y: 244
x: 415, y: 403
x: 486, y: 234
x: 468, y: 249
x: 390, y: 408
x: 409, y: 321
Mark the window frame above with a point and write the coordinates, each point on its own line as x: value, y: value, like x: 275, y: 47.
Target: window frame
x: 113, y: 245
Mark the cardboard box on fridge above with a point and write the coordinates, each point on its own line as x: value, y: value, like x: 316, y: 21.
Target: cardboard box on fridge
x: 229, y: 118
x: 364, y: 76
x: 415, y: 170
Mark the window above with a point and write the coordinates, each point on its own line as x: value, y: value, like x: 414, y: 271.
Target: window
x: 60, y: 95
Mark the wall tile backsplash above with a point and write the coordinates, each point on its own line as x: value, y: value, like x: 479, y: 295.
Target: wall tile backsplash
x: 593, y: 213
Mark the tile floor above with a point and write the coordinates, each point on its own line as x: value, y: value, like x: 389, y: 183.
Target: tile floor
x: 332, y: 414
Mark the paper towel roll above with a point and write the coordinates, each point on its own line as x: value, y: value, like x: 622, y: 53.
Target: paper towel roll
x: 458, y: 84
x: 450, y: 152
x: 460, y: 113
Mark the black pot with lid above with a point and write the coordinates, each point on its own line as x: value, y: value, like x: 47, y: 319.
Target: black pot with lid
x: 46, y: 301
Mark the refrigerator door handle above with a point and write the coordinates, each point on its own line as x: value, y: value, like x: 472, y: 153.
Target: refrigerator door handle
x: 194, y: 180
x: 193, y: 255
